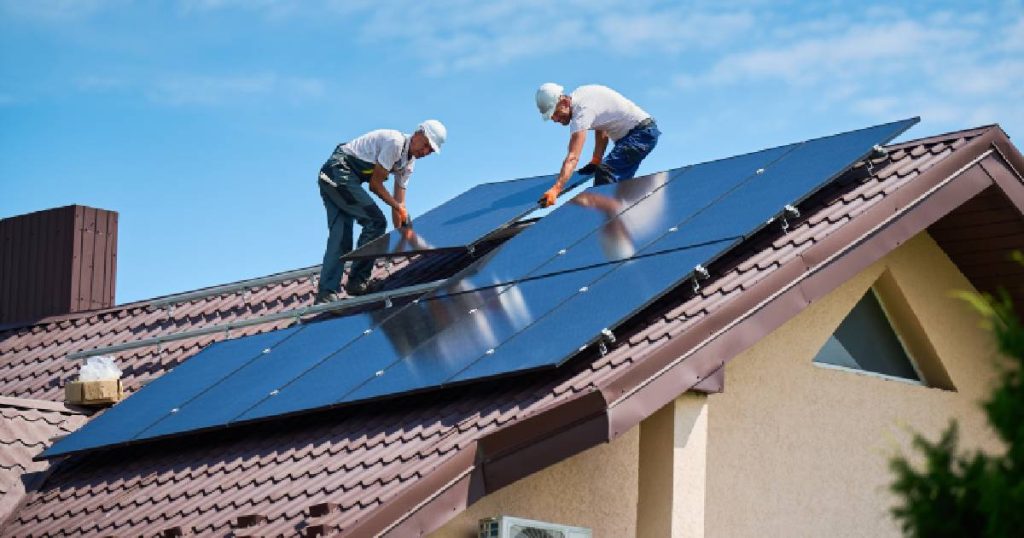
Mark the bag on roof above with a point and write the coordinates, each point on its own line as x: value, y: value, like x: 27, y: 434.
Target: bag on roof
x: 97, y: 368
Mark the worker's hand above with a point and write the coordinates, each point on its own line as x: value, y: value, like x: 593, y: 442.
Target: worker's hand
x: 549, y: 197
x: 400, y: 216
x: 588, y: 170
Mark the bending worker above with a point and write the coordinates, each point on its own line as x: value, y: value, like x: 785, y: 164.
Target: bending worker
x: 367, y: 159
x: 610, y: 116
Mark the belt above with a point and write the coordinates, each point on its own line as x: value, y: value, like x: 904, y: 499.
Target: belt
x: 645, y: 123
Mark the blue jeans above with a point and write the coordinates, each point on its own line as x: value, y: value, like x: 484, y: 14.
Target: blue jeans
x: 347, y: 202
x: 624, y: 159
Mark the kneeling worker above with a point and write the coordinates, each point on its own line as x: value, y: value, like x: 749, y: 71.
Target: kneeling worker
x: 609, y: 115
x: 369, y: 158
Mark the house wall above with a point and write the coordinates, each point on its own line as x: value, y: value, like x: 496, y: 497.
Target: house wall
x: 596, y: 488
x: 796, y: 449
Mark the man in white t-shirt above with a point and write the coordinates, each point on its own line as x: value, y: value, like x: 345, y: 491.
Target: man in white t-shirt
x: 367, y: 159
x: 611, y: 116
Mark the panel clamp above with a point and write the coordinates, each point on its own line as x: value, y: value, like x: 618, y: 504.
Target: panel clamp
x: 699, y: 273
x: 877, y: 152
x: 788, y: 212
x: 607, y: 338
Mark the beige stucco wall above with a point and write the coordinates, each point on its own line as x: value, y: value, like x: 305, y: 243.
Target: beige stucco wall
x: 596, y: 488
x: 796, y: 449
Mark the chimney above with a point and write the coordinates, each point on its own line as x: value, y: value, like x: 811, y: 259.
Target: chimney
x: 57, y: 261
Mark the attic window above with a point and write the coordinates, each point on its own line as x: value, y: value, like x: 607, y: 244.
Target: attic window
x: 867, y: 341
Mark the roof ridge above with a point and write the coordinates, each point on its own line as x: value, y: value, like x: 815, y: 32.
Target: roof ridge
x: 950, y: 135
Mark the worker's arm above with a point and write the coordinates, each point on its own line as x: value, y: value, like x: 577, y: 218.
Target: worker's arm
x: 576, y: 142
x: 600, y: 144
x: 399, y: 194
x: 377, y: 187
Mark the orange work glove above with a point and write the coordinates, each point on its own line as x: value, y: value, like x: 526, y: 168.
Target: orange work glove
x: 549, y: 197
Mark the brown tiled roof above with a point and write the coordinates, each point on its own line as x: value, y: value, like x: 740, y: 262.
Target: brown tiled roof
x: 26, y: 428
x: 408, y: 464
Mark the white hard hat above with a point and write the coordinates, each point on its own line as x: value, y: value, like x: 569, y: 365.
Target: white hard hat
x: 435, y: 132
x: 547, y: 98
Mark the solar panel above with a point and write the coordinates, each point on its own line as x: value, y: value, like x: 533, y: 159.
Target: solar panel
x: 531, y: 303
x: 464, y: 220
x: 162, y: 396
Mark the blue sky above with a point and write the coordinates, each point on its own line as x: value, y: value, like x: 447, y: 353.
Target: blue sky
x: 203, y: 122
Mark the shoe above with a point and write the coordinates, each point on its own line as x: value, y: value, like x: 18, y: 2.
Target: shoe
x: 355, y: 289
x: 328, y: 297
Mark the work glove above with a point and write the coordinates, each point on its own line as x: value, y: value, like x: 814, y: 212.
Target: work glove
x: 549, y: 197
x: 401, y: 217
x: 588, y: 170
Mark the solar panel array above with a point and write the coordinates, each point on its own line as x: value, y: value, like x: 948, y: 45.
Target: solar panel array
x: 463, y: 221
x: 532, y: 303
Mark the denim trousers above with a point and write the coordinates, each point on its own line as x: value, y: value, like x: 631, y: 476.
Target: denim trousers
x: 347, y: 202
x: 624, y: 159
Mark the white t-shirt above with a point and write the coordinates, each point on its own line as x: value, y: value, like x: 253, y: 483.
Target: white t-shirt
x: 604, y: 109
x: 386, y: 147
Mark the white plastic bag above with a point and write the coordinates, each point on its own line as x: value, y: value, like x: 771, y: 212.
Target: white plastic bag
x: 97, y: 368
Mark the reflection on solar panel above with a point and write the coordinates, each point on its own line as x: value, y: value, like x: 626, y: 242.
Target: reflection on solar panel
x: 464, y: 220
x: 532, y: 303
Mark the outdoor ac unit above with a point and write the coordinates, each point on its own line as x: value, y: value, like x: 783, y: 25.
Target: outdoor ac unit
x: 517, y: 527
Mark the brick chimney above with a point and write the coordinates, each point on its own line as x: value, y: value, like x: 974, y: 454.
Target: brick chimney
x: 57, y: 261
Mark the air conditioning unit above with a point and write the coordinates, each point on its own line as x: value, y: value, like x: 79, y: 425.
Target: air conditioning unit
x: 517, y: 527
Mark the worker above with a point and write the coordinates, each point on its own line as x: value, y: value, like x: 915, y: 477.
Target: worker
x: 610, y: 116
x: 369, y: 158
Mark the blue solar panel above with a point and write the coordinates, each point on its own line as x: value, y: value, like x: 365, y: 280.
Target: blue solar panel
x: 531, y: 303
x: 464, y: 220
x: 162, y: 396
x: 619, y: 292
x: 256, y: 380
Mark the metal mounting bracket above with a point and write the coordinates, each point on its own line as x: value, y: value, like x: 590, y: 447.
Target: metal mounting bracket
x: 788, y: 212
x: 699, y: 273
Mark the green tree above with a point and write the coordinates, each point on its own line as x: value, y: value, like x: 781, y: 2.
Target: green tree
x: 958, y: 493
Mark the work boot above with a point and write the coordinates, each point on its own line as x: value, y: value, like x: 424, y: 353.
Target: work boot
x: 328, y: 297
x: 355, y: 289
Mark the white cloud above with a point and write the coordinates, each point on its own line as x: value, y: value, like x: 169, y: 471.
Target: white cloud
x: 220, y: 90
x: 460, y: 35
x: 946, y: 67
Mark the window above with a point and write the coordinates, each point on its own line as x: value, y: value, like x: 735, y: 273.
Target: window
x: 866, y: 341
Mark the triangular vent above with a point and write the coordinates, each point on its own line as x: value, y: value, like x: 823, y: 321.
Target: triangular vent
x: 866, y: 341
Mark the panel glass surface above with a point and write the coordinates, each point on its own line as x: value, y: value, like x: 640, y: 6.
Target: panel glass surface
x: 463, y: 220
x: 612, y: 222
x: 122, y: 422
x: 612, y: 298
x: 424, y: 343
x: 788, y: 180
x: 261, y: 377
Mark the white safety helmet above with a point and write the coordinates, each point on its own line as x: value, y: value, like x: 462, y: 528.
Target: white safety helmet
x: 435, y: 132
x: 547, y: 99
